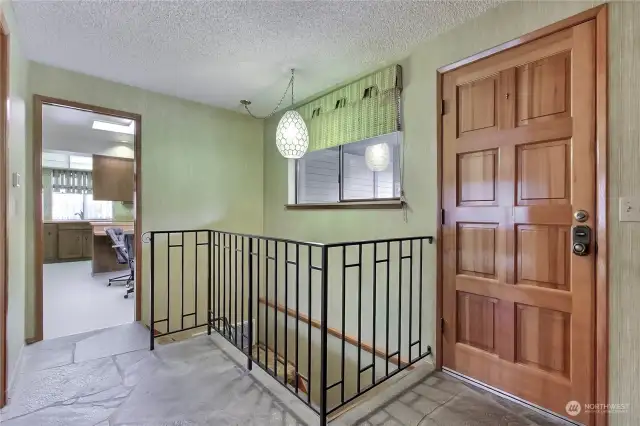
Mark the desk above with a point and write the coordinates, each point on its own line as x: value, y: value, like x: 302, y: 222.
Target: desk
x: 104, y: 255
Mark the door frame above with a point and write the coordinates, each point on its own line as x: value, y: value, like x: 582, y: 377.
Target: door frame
x: 601, y: 349
x: 38, y: 242
x: 4, y: 196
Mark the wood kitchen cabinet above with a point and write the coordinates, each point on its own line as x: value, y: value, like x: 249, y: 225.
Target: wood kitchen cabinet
x: 67, y: 241
x: 50, y: 242
x: 70, y: 243
x: 113, y: 178
x: 87, y: 243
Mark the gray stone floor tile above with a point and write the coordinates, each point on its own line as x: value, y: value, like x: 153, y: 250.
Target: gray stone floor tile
x: 470, y: 410
x: 36, y: 359
x: 116, y: 392
x: 182, y: 394
x: 434, y: 394
x: 379, y: 417
x: 435, y: 405
x: 65, y: 415
x: 43, y: 388
x: 449, y: 384
x: 424, y: 405
x: 408, y: 397
x: 428, y: 422
x: 134, y: 366
x: 188, y: 351
x: 116, y: 381
x: 403, y: 413
x: 65, y: 341
x: 112, y: 341
x: 541, y: 420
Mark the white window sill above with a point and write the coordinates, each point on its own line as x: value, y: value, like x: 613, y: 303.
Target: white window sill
x: 369, y: 204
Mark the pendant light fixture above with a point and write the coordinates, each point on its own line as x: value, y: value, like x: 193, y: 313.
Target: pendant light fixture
x: 292, y: 136
x: 377, y: 157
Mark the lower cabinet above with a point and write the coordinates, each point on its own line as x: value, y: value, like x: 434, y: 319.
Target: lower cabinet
x: 67, y: 241
x: 50, y: 242
x: 70, y: 244
x: 87, y: 243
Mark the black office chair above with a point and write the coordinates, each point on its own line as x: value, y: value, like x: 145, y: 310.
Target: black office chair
x: 124, y: 254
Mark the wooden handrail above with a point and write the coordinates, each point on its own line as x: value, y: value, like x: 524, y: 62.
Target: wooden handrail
x: 334, y: 332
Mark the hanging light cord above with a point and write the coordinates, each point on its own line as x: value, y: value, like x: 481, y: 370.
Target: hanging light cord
x: 284, y: 95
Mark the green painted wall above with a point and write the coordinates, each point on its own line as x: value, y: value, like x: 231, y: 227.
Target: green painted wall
x: 123, y: 211
x: 201, y: 166
x: 16, y: 196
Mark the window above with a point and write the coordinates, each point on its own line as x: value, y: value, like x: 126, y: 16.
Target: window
x: 365, y: 170
x: 97, y: 209
x: 318, y: 177
x: 68, y: 206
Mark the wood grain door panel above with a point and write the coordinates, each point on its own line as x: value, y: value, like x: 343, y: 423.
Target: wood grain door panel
x: 113, y: 178
x: 518, y: 158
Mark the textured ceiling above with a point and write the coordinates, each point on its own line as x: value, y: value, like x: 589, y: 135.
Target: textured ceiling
x: 218, y: 52
x: 67, y: 129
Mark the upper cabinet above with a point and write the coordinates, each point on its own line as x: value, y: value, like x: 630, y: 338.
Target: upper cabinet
x: 113, y: 178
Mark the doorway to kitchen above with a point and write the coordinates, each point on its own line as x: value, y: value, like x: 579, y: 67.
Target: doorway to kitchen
x: 87, y: 221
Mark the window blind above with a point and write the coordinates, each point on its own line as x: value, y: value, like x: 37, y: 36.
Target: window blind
x: 71, y: 181
x: 366, y: 108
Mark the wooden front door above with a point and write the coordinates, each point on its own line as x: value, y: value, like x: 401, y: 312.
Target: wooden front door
x: 518, y: 160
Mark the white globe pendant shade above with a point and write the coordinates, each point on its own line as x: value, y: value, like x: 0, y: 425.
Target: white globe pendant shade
x: 292, y: 137
x: 377, y: 157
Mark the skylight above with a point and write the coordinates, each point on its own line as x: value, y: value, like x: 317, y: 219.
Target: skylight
x: 116, y: 128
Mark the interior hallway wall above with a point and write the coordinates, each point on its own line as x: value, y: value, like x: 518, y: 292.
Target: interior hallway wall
x: 505, y: 22
x: 16, y: 196
x: 201, y: 166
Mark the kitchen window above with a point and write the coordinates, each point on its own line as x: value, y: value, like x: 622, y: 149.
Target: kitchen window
x: 69, y: 206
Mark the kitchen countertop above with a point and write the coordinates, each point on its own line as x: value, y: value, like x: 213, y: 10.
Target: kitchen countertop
x: 99, y: 228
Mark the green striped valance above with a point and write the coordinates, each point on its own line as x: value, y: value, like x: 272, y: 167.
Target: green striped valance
x: 364, y: 109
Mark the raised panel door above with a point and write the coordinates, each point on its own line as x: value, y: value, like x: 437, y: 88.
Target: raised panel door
x: 518, y: 158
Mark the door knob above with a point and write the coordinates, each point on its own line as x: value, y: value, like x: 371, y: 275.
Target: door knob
x: 581, y: 215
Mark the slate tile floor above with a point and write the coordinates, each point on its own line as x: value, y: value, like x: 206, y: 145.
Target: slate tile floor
x: 109, y: 377
x: 441, y: 400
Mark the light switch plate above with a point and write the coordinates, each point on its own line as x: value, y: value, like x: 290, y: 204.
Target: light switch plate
x: 15, y: 177
x: 629, y: 209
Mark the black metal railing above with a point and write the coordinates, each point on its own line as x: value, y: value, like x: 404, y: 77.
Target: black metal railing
x: 275, y: 299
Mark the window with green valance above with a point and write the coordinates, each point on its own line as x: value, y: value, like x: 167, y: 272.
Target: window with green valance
x: 366, y: 108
